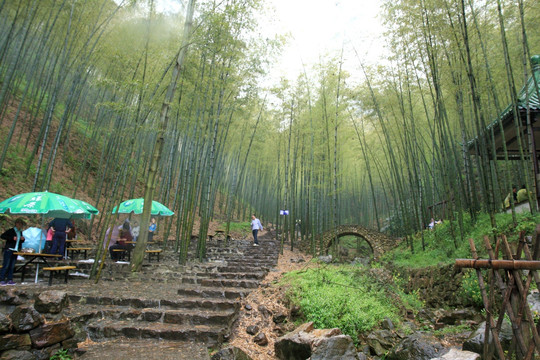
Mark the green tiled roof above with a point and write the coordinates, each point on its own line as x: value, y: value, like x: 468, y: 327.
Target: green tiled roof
x: 528, y: 96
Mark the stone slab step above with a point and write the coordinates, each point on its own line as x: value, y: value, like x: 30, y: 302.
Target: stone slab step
x: 144, y: 349
x: 192, y: 302
x: 224, y: 275
x: 210, y: 335
x: 213, y: 292
x: 210, y: 282
x: 83, y: 314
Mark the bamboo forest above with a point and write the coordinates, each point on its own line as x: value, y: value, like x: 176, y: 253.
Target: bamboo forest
x: 109, y: 100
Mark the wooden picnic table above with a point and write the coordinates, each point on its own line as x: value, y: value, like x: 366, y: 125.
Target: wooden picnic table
x: 31, y: 257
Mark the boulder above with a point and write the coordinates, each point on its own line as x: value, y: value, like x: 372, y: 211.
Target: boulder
x: 51, y: 333
x: 455, y: 354
x: 334, y: 348
x: 475, y: 342
x: 231, y: 353
x: 51, y: 301
x: 418, y: 346
x: 25, y: 318
x: 10, y: 296
x: 380, y: 342
x: 306, y: 342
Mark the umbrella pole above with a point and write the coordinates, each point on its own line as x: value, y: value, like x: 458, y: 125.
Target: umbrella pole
x: 39, y: 246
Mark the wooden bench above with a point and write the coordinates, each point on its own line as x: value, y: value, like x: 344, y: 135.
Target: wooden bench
x: 152, y: 253
x: 75, y: 251
x: 52, y: 270
x: 123, y: 252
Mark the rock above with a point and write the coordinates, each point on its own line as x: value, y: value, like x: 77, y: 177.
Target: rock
x: 5, y: 323
x: 252, y: 329
x: 25, y: 318
x: 51, y: 333
x: 534, y: 302
x: 18, y: 355
x: 387, y: 324
x: 279, y: 318
x: 264, y: 311
x: 15, y: 341
x: 457, y: 316
x: 326, y: 259
x: 361, y: 356
x: 306, y: 342
x: 52, y: 301
x: 297, y: 260
x: 231, y: 353
x: 261, y: 339
x: 455, y: 354
x: 475, y: 342
x: 248, y: 307
x: 339, y: 347
x: 380, y: 342
x: 10, y: 297
x: 418, y: 346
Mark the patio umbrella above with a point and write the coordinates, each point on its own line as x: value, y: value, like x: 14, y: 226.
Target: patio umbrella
x: 34, y: 238
x: 43, y: 203
x: 135, y: 206
x: 91, y: 210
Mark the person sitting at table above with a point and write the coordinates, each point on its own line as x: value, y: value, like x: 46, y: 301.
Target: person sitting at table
x: 125, y: 235
x: 14, y: 240
x: 135, y: 230
x: 60, y: 227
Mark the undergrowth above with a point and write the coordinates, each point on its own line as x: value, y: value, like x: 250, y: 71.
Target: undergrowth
x: 446, y: 243
x: 340, y: 296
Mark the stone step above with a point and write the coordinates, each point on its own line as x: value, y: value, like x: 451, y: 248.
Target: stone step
x: 83, y: 314
x: 224, y: 275
x: 193, y: 302
x: 210, y: 335
x: 210, y: 282
x: 231, y: 293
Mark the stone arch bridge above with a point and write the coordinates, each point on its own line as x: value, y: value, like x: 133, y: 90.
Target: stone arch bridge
x: 379, y: 242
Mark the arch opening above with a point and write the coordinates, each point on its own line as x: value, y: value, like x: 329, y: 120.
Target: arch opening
x: 351, y: 246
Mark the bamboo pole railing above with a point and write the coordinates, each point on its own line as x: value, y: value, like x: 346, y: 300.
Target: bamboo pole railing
x: 511, y: 278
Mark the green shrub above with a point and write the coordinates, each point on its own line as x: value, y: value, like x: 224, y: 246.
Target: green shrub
x: 470, y: 290
x: 340, y: 297
x: 61, y: 354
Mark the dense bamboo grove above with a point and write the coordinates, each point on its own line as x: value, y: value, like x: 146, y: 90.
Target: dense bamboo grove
x: 332, y: 150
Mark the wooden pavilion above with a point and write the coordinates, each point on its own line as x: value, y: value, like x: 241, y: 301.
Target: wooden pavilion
x: 519, y: 122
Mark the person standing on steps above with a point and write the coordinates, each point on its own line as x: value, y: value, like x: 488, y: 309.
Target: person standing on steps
x: 255, y: 227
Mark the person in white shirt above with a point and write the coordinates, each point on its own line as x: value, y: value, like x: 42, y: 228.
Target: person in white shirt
x: 255, y: 227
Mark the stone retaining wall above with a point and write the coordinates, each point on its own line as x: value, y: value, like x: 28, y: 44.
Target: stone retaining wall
x: 438, y: 286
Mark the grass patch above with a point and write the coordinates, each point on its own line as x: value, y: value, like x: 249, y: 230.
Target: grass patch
x: 444, y: 243
x: 343, y: 297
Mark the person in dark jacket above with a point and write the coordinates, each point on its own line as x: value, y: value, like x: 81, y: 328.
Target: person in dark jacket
x: 60, y: 227
x: 14, y: 240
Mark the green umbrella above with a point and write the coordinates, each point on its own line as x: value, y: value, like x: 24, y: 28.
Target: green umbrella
x: 136, y: 206
x: 43, y: 203
x: 91, y: 209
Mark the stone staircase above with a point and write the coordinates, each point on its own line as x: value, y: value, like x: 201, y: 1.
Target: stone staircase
x: 198, y: 302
